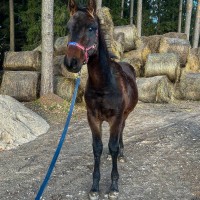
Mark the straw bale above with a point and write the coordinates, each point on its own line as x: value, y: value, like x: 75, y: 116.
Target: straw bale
x: 24, y: 60
x: 175, y: 45
x: 60, y: 45
x: 188, y: 87
x: 176, y: 35
x: 163, y: 64
x: 22, y: 85
x: 193, y: 61
x: 153, y: 42
x: 132, y: 40
x: 64, y: 88
x: 107, y: 26
x: 154, y: 89
x: 136, y: 63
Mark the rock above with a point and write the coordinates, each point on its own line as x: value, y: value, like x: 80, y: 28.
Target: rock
x: 24, y: 60
x: 22, y: 85
x: 18, y: 124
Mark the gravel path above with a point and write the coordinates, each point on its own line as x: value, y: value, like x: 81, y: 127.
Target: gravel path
x: 162, y: 147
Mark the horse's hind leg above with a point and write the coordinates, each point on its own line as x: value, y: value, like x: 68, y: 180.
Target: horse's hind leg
x: 121, y: 157
x: 114, y: 151
x: 95, y: 126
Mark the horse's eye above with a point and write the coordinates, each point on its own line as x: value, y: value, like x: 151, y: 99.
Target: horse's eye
x: 90, y: 29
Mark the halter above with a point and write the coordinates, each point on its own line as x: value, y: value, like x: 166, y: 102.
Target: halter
x: 84, y: 49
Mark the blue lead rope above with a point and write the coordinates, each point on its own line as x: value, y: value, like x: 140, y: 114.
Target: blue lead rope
x: 62, y: 139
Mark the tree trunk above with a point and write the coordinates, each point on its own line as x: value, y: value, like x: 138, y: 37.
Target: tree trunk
x: 12, y: 28
x: 47, y: 47
x: 197, y: 26
x: 180, y: 15
x: 122, y: 10
x: 131, y: 11
x: 139, y: 17
x: 99, y: 4
x: 188, y: 18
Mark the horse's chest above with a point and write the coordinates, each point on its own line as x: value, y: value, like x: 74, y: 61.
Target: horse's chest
x: 103, y: 106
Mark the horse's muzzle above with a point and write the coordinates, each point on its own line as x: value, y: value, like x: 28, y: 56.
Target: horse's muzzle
x: 72, y: 65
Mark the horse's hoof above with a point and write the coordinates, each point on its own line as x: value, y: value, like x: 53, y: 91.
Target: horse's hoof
x: 94, y: 195
x: 113, y: 195
x: 109, y: 157
x: 121, y: 159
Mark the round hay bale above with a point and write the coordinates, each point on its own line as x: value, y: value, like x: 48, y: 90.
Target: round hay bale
x: 64, y: 88
x: 188, y: 87
x: 22, y: 61
x: 60, y: 45
x: 134, y: 54
x: 175, y: 45
x: 132, y: 40
x: 176, y: 35
x: 163, y: 64
x: 153, y: 42
x: 107, y: 26
x: 193, y: 62
x: 154, y: 89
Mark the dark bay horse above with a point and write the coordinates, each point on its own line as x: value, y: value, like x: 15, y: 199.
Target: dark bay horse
x: 111, y: 91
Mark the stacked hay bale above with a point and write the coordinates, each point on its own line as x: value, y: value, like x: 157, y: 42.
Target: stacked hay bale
x: 107, y: 27
x: 162, y: 65
x: 21, y: 75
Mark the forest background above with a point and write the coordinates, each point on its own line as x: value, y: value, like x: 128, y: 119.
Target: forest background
x: 158, y: 17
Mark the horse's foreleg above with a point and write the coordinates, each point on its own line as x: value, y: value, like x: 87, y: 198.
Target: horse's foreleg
x: 95, y: 126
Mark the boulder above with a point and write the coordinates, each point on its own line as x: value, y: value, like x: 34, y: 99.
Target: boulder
x: 22, y: 85
x: 18, y: 124
x: 24, y: 60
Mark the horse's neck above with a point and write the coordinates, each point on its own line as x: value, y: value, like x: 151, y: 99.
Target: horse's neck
x: 99, y: 73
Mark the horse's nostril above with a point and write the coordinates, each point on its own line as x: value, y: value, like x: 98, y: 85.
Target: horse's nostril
x: 73, y: 62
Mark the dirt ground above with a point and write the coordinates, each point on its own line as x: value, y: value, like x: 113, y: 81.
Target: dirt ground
x: 162, y: 148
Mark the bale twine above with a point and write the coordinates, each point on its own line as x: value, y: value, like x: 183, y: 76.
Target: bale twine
x: 193, y: 61
x: 176, y: 35
x: 188, y: 87
x: 24, y: 60
x: 163, y: 64
x: 155, y: 89
x: 132, y: 40
x: 175, y: 45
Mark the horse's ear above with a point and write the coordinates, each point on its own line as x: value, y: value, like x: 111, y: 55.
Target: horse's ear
x: 92, y: 7
x: 72, y: 6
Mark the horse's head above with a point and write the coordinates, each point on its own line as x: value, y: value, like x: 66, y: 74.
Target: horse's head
x: 83, y: 35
